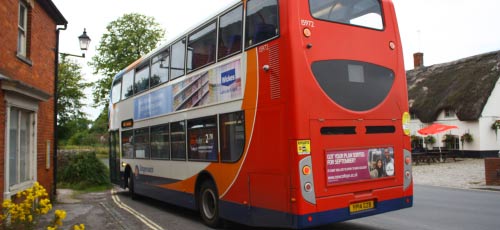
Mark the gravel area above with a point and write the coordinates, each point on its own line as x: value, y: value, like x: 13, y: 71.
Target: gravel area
x: 464, y: 173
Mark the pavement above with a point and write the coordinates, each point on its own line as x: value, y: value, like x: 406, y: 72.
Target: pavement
x: 99, y: 211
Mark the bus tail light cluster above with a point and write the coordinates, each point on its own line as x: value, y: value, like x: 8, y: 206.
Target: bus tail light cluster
x: 408, y: 171
x: 307, y: 180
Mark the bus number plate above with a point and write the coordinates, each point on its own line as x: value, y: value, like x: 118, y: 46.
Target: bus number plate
x: 361, y: 206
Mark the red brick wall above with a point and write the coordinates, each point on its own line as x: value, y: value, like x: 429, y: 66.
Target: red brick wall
x: 42, y: 42
x: 2, y: 140
x: 492, y: 170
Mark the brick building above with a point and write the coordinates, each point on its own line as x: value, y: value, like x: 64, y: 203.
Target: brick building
x: 28, y: 48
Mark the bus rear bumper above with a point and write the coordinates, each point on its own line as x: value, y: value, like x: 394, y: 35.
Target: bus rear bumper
x: 343, y: 214
x: 254, y: 216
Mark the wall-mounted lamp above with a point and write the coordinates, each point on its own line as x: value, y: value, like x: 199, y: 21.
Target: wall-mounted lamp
x: 84, y: 40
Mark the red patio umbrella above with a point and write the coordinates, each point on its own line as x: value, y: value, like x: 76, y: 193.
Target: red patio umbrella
x: 435, y: 129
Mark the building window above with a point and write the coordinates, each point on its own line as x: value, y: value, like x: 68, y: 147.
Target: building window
x: 20, y: 146
x: 449, y: 113
x: 22, y: 30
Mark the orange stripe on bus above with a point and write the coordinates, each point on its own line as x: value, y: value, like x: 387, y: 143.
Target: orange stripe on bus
x: 226, y: 173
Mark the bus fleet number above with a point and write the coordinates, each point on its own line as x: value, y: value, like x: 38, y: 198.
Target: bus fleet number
x: 309, y: 23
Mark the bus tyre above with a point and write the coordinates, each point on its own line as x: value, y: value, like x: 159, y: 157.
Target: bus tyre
x: 209, y: 204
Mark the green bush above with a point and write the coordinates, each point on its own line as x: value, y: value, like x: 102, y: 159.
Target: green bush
x: 82, y: 170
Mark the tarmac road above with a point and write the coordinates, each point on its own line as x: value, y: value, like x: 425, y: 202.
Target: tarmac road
x: 450, y: 205
x: 434, y: 208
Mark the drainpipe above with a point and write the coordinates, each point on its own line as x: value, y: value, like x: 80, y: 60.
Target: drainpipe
x: 56, y: 97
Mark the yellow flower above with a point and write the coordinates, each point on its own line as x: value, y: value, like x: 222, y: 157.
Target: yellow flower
x: 51, y: 228
x: 61, y: 214
x: 79, y: 227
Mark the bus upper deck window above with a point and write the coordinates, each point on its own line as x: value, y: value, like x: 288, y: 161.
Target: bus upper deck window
x: 201, y: 47
x: 141, y: 80
x: 128, y: 85
x: 365, y: 13
x: 159, y: 68
x: 116, y: 92
x: 178, y: 59
x: 231, y: 32
x: 261, y: 21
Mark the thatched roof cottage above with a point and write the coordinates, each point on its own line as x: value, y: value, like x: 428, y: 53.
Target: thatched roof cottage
x: 465, y: 93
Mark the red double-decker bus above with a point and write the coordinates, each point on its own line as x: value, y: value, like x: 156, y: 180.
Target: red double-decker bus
x: 271, y: 113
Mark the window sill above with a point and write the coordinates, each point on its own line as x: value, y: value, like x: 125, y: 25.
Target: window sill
x: 24, y: 59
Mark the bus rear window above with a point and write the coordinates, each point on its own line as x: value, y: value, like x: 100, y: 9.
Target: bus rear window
x: 365, y: 13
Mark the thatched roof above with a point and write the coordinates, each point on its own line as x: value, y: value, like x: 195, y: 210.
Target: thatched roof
x: 463, y: 85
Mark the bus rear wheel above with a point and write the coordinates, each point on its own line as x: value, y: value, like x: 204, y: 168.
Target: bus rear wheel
x: 209, y: 204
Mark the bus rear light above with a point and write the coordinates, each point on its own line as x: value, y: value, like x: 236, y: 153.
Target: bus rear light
x: 307, y: 32
x: 308, y: 187
x: 408, y: 174
x: 408, y: 160
x: 306, y: 170
x: 392, y: 45
x: 306, y: 176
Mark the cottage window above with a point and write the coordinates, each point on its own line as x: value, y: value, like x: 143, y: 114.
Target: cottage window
x: 20, y: 150
x: 449, y: 113
x: 22, y: 30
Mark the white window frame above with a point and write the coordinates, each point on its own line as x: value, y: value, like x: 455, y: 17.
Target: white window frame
x: 22, y: 35
x: 14, y: 101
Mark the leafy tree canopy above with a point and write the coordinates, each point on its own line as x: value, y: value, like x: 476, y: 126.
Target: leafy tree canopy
x: 70, y: 92
x: 126, y: 40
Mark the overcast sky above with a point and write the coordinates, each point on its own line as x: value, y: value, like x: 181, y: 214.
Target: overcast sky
x: 444, y: 30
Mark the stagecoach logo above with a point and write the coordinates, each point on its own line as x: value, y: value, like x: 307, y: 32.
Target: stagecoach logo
x: 228, y: 77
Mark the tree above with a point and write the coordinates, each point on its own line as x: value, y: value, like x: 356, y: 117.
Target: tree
x: 70, y: 91
x: 126, y: 40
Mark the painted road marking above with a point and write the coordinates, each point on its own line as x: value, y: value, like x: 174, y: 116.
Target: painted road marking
x: 132, y: 211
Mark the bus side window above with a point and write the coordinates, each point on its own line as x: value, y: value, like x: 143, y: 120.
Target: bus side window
x: 201, y: 47
x: 230, y: 32
x: 159, y: 68
x: 116, y: 92
x: 141, y: 143
x: 232, y: 136
x: 160, y: 142
x: 128, y: 144
x: 261, y: 21
x: 178, y: 59
x: 178, y: 140
x: 141, y: 80
x: 128, y: 85
x: 202, y: 139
